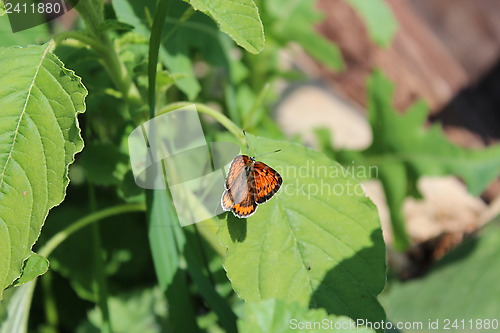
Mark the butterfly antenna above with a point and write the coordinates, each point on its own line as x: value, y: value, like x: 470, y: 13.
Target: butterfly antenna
x: 271, y: 152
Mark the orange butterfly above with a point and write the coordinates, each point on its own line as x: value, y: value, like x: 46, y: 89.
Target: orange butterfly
x: 248, y: 184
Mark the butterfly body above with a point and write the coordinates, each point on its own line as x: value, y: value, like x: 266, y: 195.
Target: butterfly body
x: 249, y: 183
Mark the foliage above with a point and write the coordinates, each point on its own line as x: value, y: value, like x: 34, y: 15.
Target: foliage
x: 379, y: 20
x: 440, y: 295
x: 119, y: 259
x: 403, y: 150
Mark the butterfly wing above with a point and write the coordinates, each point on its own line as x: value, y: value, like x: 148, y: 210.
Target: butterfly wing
x: 238, y: 195
x: 267, y: 182
x: 226, y: 201
x: 246, y: 207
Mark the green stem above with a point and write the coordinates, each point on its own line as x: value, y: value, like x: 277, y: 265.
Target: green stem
x: 62, y: 235
x: 202, y: 108
x: 50, y: 308
x: 100, y: 277
x: 259, y: 101
x: 84, y: 39
x: 154, y: 49
x: 92, y: 12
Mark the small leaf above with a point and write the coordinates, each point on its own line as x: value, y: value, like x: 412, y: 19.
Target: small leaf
x: 462, y: 285
x: 379, y: 20
x: 317, y: 242
x: 280, y: 317
x: 116, y: 25
x: 239, y: 19
x: 34, y: 266
x: 39, y: 103
x: 294, y: 21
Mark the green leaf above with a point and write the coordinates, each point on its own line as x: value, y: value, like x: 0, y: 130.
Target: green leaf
x: 34, y: 266
x: 379, y: 20
x: 294, y: 21
x: 320, y: 48
x: 196, y: 256
x: 115, y: 25
x: 167, y: 241
x: 142, y: 311
x: 403, y: 150
x: 17, y: 308
x: 462, y: 285
x: 277, y: 316
x: 239, y: 19
x: 39, y: 103
x: 318, y: 242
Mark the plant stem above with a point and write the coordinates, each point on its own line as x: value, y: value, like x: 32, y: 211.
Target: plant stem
x: 202, y: 108
x: 81, y: 37
x: 92, y: 12
x: 62, y: 235
x: 100, y: 277
x: 49, y: 304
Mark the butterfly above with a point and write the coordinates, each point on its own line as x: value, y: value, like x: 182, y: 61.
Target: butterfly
x: 249, y: 183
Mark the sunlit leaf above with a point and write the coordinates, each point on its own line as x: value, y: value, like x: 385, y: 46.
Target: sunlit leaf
x: 34, y: 266
x: 39, y: 103
x: 280, y: 317
x: 318, y: 242
x: 239, y: 19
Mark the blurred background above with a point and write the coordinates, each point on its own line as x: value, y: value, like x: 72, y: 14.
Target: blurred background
x: 444, y: 52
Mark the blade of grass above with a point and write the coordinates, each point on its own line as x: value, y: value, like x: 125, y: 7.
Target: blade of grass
x: 166, y: 241
x: 100, y: 278
x: 165, y: 237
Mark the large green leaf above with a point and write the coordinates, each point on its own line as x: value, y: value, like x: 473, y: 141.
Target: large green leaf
x: 403, y: 150
x: 239, y: 19
x: 318, y: 242
x: 39, y: 103
x: 277, y: 316
x: 463, y: 285
x: 379, y: 20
